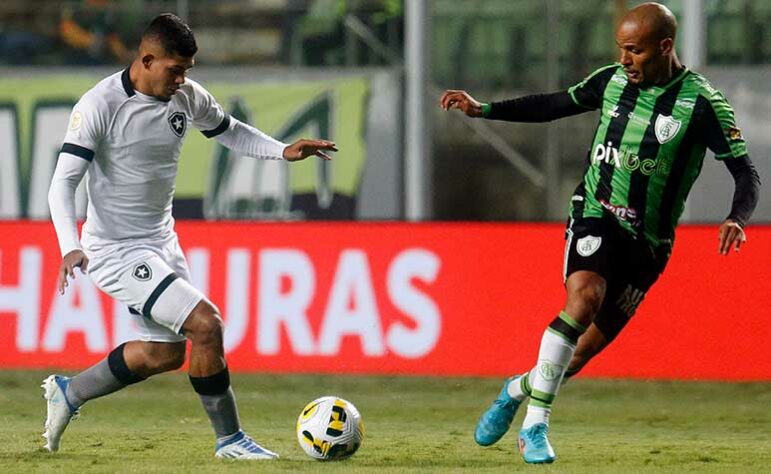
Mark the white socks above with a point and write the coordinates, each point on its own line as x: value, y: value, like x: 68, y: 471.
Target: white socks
x: 542, y: 383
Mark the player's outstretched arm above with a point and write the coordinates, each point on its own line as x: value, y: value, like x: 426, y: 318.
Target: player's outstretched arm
x: 302, y: 149
x: 535, y: 108
x: 75, y: 258
x: 461, y: 100
x: 746, y: 194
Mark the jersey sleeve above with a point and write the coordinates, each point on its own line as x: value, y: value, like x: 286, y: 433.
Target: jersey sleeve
x: 720, y: 133
x: 588, y: 93
x: 208, y: 115
x: 88, y: 124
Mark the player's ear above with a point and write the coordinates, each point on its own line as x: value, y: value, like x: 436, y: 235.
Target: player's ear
x: 666, y: 45
x: 147, y: 60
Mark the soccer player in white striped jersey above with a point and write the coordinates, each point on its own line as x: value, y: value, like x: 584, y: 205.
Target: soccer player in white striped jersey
x: 127, y: 132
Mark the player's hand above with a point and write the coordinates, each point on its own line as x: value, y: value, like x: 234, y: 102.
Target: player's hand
x: 461, y: 100
x: 76, y: 258
x: 731, y: 235
x: 302, y: 149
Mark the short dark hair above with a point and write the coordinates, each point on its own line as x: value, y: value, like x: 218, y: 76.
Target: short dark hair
x: 173, y: 33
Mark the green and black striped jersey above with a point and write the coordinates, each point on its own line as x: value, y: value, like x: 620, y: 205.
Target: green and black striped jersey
x: 649, y: 148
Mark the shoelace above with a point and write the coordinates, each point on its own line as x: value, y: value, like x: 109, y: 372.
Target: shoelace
x: 538, y: 436
x: 504, y: 404
x: 250, y: 445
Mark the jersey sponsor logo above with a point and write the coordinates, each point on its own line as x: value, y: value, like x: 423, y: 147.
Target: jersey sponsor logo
x: 710, y: 89
x: 629, y: 300
x: 637, y: 119
x: 629, y: 161
x: 685, y: 103
x: 178, y: 123
x: 666, y: 128
x: 76, y: 121
x: 142, y: 272
x: 620, y: 79
x: 586, y: 246
x: 734, y: 133
x: 627, y: 214
x: 613, y: 113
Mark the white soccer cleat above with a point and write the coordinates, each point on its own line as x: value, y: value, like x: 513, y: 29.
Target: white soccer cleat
x: 59, y: 411
x: 240, y: 446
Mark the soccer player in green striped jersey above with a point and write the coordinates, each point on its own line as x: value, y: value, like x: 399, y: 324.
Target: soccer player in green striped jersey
x: 657, y: 119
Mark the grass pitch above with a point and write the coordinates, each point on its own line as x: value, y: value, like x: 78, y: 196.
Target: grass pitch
x: 413, y: 425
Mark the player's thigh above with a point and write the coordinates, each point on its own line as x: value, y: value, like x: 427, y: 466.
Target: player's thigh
x: 163, y: 298
x: 588, y: 247
x: 174, y: 256
x: 157, y: 297
x: 637, y: 269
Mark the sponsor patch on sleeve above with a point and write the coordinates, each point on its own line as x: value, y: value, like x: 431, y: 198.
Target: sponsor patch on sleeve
x: 734, y: 133
x: 76, y: 121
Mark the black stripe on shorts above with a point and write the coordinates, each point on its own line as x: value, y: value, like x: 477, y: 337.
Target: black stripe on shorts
x: 148, y: 307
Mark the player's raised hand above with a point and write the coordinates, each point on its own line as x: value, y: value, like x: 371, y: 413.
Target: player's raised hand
x: 302, y: 149
x: 76, y: 258
x: 731, y: 235
x: 461, y: 100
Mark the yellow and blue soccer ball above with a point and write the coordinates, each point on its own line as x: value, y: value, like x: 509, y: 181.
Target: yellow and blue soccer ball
x: 330, y: 429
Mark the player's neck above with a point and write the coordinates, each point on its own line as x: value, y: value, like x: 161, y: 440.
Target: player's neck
x: 135, y: 76
x: 673, y: 69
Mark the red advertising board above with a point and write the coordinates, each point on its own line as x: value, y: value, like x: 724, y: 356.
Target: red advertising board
x: 427, y: 299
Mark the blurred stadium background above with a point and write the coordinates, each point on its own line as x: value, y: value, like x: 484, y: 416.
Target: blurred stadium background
x: 406, y: 275
x: 417, y: 170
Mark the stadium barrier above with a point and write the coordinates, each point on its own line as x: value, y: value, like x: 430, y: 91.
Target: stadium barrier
x: 383, y: 298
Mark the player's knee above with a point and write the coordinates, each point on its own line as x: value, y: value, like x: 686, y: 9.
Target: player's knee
x: 205, y: 325
x: 162, y: 357
x: 176, y: 357
x: 585, y: 298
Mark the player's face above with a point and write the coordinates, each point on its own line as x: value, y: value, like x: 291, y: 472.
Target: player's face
x: 169, y: 74
x: 641, y: 55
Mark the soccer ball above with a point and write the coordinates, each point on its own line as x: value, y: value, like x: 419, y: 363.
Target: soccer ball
x: 330, y: 429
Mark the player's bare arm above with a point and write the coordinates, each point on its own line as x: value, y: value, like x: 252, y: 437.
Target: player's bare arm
x: 302, y: 149
x: 730, y: 235
x: 461, y: 100
x: 74, y: 259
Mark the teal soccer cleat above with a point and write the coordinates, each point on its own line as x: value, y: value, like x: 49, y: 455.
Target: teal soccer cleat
x: 495, y: 422
x: 534, y: 445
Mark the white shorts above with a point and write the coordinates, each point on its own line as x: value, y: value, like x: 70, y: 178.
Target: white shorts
x: 152, y: 279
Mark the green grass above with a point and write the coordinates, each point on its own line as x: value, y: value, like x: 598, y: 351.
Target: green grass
x: 413, y: 425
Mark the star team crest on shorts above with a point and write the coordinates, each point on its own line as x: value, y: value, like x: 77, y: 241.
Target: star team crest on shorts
x: 142, y: 272
x: 178, y: 123
x: 586, y: 246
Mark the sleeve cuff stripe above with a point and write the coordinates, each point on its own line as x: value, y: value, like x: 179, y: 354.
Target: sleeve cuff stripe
x: 220, y: 128
x: 730, y: 156
x: 78, y: 151
x: 573, y: 97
